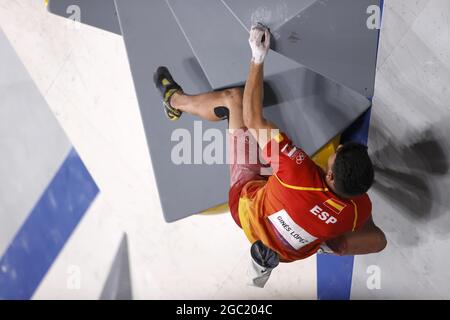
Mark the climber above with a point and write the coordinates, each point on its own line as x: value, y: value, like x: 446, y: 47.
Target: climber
x: 299, y: 209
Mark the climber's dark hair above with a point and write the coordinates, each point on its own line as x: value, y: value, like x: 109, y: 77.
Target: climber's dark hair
x: 352, y: 170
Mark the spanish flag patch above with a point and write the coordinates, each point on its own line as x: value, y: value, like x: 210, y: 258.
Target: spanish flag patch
x: 335, y: 205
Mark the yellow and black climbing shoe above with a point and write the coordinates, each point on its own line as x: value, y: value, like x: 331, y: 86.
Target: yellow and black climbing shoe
x: 167, y: 87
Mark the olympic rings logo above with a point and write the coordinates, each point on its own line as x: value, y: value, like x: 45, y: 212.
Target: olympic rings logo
x: 300, y: 158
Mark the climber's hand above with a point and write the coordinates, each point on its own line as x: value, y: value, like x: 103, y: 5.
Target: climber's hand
x: 259, y: 42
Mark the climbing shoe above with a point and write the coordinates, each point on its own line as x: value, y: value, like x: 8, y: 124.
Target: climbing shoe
x: 167, y: 87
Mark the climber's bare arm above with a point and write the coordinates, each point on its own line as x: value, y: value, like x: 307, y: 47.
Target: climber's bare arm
x: 254, y: 120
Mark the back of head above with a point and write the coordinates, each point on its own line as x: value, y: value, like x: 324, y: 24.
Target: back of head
x: 352, y: 170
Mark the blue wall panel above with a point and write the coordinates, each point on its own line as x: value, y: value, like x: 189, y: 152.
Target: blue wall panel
x: 46, y: 230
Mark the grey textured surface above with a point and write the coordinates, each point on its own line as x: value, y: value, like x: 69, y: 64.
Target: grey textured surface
x: 332, y: 38
x: 32, y: 143
x: 274, y: 13
x: 313, y: 120
x: 118, y: 284
x: 222, y: 47
x: 309, y: 107
x: 97, y: 13
x: 410, y: 146
x: 184, y: 189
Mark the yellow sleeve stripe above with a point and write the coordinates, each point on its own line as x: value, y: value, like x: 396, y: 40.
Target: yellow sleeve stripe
x: 245, y: 220
x: 279, y: 138
x: 299, y: 188
x: 356, y: 215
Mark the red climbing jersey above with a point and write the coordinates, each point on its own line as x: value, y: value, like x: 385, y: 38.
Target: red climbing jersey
x: 293, y: 211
